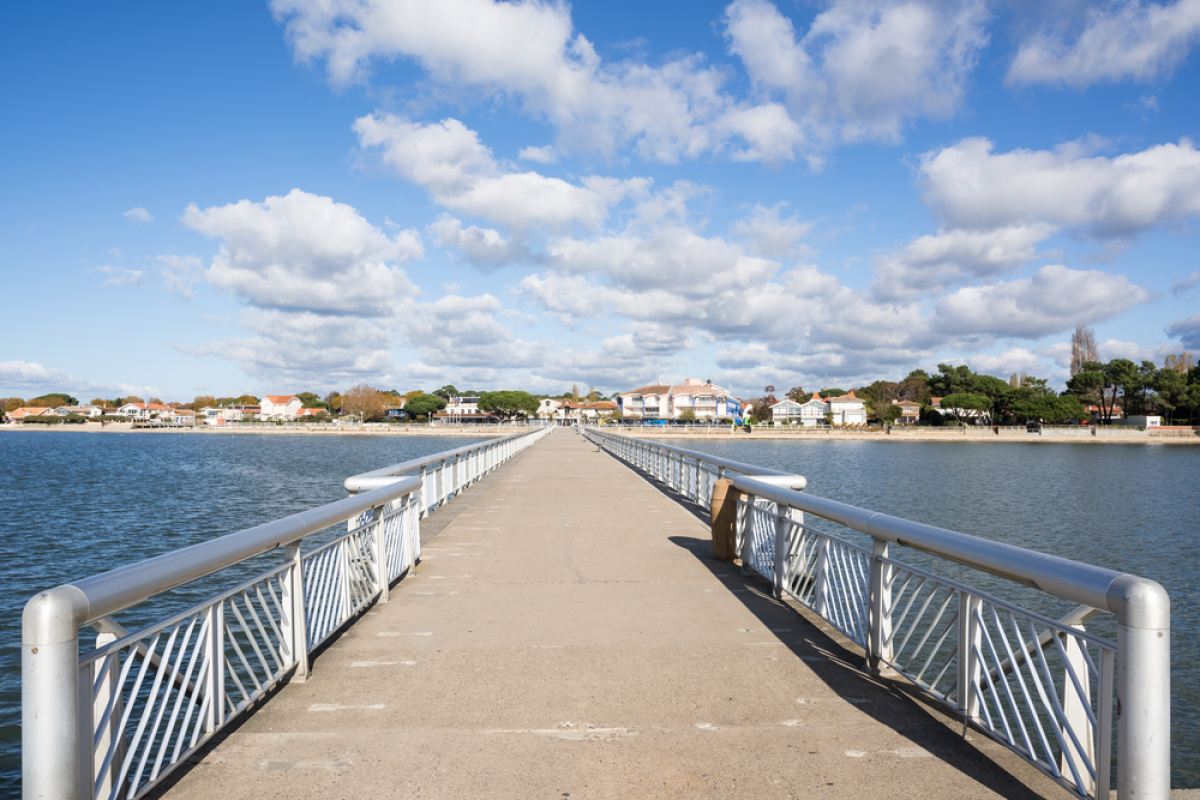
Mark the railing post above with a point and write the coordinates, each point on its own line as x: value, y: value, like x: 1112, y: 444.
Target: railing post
x: 821, y: 577
x: 879, y: 609
x: 970, y: 639
x: 215, y: 679
x: 379, y: 542
x: 107, y: 674
x: 424, y: 490
x: 783, y: 527
x: 50, y: 718
x: 295, y: 630
x: 1143, y: 690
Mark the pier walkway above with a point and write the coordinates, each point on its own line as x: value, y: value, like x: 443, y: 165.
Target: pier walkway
x: 568, y: 634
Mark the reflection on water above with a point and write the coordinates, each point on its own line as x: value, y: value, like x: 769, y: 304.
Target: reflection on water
x: 75, y: 504
x: 1128, y: 507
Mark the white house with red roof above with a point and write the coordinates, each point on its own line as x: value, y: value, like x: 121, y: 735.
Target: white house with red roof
x: 668, y: 401
x: 19, y: 414
x: 143, y: 410
x: 280, y: 406
x: 846, y: 409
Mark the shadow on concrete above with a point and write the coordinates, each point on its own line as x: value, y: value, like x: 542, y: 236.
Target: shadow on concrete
x: 841, y: 665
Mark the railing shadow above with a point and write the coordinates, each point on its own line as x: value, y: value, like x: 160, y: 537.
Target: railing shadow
x: 841, y: 665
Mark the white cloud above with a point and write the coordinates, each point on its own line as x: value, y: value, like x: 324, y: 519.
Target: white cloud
x: 448, y: 160
x: 306, y: 348
x: 527, y: 51
x: 970, y: 187
x: 22, y: 375
x: 118, y: 276
x: 1186, y: 330
x: 1052, y: 300
x: 138, y: 214
x: 863, y: 68
x: 768, y: 235
x: 1016, y: 360
x: 179, y: 273
x: 464, y: 332
x: 481, y: 246
x: 542, y: 155
x: 1128, y: 40
x: 931, y: 263
x: 306, y: 252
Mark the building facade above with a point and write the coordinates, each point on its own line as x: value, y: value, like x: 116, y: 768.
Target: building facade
x: 669, y: 401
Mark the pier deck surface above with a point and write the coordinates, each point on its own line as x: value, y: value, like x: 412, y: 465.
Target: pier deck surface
x: 568, y: 634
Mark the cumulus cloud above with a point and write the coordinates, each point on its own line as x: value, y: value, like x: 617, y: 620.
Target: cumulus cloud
x: 1053, y: 299
x: 464, y: 331
x: 30, y: 379
x: 971, y: 187
x: 933, y: 262
x: 138, y: 214
x: 481, y: 246
x: 542, y: 155
x: 1016, y: 360
x: 1187, y: 330
x: 306, y: 252
x: 304, y: 347
x: 863, y: 68
x: 447, y: 159
x: 1128, y: 40
x: 769, y: 235
x: 530, y: 52
x: 118, y: 276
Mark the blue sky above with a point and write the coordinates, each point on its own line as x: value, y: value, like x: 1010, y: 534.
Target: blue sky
x: 229, y: 197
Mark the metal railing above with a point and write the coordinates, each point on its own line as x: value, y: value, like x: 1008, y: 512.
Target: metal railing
x: 1047, y: 689
x: 114, y: 721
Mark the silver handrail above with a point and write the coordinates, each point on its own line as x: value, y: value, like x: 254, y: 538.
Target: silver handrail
x: 873, y: 589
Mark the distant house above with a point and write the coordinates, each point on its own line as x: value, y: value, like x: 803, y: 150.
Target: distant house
x: 669, y: 401
x: 910, y: 411
x: 143, y: 411
x: 82, y: 411
x: 848, y: 410
x: 21, y: 414
x: 280, y: 406
x: 587, y: 412
x: 786, y: 410
x: 179, y: 417
x: 547, y: 407
x: 461, y: 407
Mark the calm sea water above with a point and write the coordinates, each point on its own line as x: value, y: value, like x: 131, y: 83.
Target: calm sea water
x: 77, y: 504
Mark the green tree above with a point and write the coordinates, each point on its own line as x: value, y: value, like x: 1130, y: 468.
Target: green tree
x: 447, y: 391
x: 796, y: 394
x: 424, y: 404
x: 1172, y: 387
x: 54, y: 400
x: 687, y: 415
x: 879, y: 397
x: 508, y: 404
x: 310, y: 400
x: 960, y: 404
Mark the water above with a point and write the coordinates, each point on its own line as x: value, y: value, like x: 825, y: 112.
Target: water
x: 75, y: 504
x: 1132, y: 508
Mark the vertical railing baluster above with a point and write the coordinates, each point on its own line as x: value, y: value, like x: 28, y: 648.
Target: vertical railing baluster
x: 970, y: 639
x: 879, y: 609
x: 295, y: 628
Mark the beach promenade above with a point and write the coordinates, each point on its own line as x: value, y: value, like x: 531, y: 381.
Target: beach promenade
x: 568, y: 634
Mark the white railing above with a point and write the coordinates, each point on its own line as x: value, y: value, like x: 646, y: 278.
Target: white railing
x: 1045, y: 688
x: 113, y: 721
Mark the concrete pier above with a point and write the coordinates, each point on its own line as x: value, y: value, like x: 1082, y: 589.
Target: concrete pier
x: 568, y: 634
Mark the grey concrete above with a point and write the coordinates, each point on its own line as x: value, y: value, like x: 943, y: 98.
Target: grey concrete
x: 568, y: 634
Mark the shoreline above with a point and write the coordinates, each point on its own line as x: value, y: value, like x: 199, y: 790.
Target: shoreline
x: 934, y: 435
x: 963, y: 435
x: 399, y: 430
